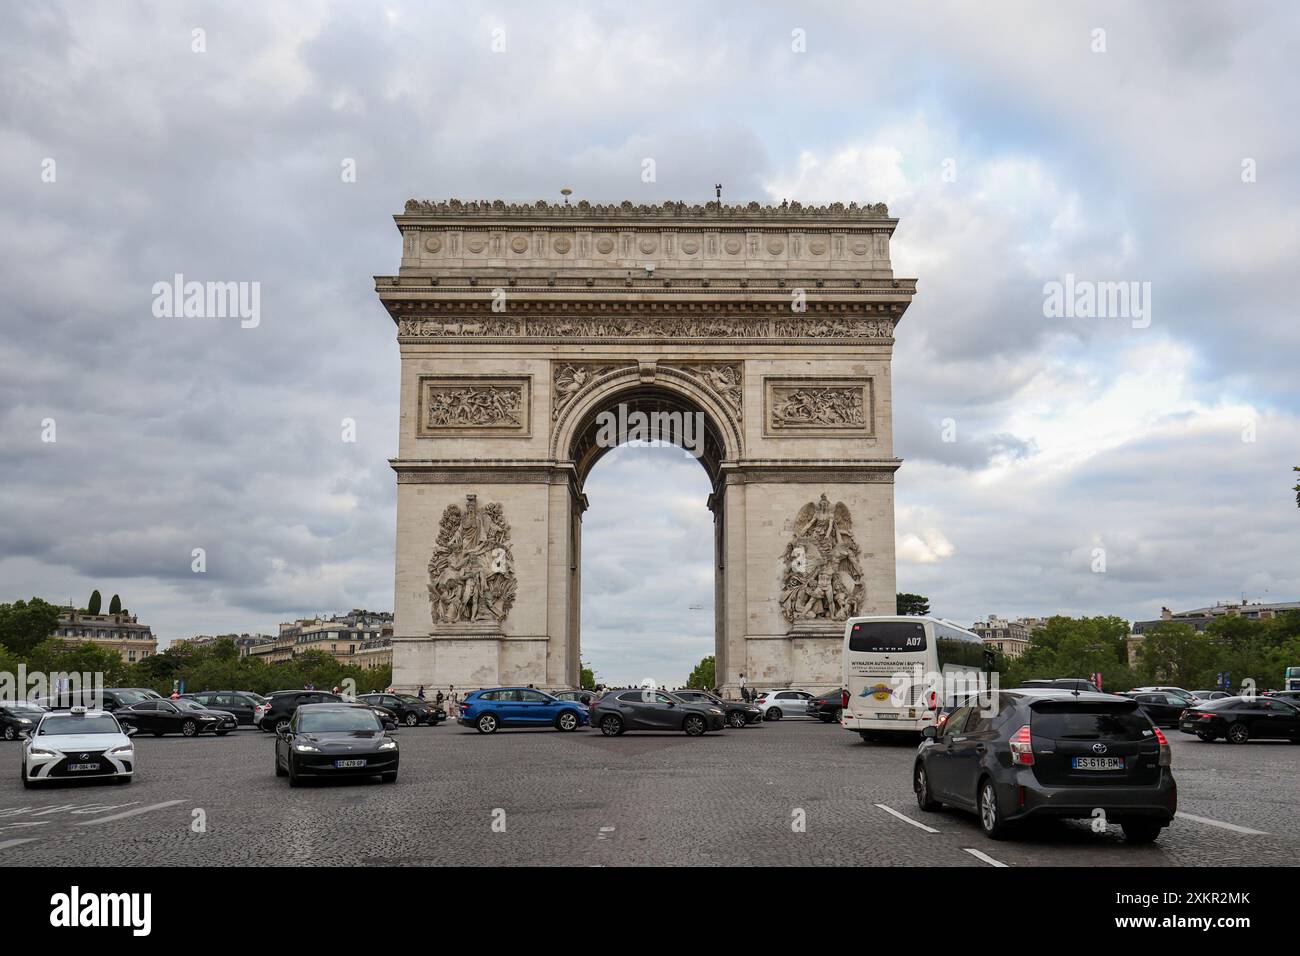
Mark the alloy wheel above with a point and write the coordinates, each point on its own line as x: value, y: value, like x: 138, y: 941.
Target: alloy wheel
x: 988, y: 808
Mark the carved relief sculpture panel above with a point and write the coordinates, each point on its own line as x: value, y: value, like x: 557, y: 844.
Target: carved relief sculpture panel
x: 832, y: 407
x: 462, y: 407
x: 821, y: 568
x: 471, y: 573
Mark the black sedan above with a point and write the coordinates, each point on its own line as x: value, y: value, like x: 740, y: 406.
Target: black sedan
x: 185, y: 717
x: 828, y: 707
x: 645, y: 709
x: 1164, y: 709
x: 335, y: 740
x: 1239, y: 719
x: 407, y: 708
x: 737, y: 712
x: 18, y: 718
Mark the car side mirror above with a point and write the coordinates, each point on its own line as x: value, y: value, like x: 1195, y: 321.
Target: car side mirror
x: 930, y: 732
x: 130, y: 730
x: 390, y: 725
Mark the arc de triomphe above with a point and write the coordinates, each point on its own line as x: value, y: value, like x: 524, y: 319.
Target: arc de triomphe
x: 520, y: 324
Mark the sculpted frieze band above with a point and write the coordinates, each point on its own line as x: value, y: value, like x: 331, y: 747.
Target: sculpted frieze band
x: 655, y: 326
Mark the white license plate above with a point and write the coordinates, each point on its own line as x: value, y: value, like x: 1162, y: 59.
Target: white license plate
x: 886, y: 716
x: 1187, y: 725
x: 83, y: 766
x: 344, y: 764
x: 1097, y: 763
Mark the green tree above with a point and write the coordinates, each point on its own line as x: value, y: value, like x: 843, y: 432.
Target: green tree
x: 24, y: 624
x: 92, y: 606
x: 1296, y: 489
x: 914, y: 604
x: 587, y: 678
x: 1176, y: 654
x: 1076, y: 647
x: 115, y: 605
x: 703, y: 677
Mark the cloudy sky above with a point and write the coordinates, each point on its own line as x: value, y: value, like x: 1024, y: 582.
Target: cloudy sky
x: 1016, y: 143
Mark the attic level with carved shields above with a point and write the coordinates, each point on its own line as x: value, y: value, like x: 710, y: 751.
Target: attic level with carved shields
x: 765, y: 332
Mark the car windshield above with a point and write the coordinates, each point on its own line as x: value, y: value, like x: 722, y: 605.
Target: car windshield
x: 73, y: 724
x: 409, y: 698
x: 189, y: 705
x: 1079, y: 722
x: 338, y: 721
x: 129, y: 697
x: 26, y: 707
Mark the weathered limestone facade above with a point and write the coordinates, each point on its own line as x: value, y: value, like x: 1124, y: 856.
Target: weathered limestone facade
x: 519, y: 324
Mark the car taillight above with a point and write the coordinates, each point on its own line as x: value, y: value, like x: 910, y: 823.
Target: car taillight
x: 933, y: 701
x: 844, y: 699
x: 1022, y: 749
x: 1166, y: 757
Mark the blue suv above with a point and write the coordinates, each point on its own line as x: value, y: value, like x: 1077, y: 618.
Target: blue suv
x: 519, y: 707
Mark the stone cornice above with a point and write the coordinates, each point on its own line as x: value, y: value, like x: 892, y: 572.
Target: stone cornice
x: 481, y: 283
x: 675, y: 212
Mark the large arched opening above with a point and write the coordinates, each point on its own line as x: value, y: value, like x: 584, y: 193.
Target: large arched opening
x: 666, y: 429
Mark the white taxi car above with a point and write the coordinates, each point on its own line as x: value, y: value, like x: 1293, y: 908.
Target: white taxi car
x: 77, y: 743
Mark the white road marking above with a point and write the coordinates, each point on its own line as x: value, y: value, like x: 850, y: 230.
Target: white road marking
x: 604, y: 833
x: 906, y: 819
x: 980, y: 855
x: 128, y: 813
x: 1219, y: 823
x: 8, y: 843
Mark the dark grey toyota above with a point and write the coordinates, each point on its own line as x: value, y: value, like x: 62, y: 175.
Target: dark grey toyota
x: 1034, y: 753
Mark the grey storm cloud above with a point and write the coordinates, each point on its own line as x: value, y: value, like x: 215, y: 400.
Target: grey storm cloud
x: 177, y: 434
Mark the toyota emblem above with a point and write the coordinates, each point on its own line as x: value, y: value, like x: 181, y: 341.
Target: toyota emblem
x: 1099, y: 748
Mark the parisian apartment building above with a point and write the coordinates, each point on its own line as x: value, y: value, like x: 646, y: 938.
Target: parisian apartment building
x: 1199, y: 618
x: 120, y: 632
x: 360, y: 637
x: 1009, y: 637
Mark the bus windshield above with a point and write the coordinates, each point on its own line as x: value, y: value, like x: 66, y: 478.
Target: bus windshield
x: 887, y: 637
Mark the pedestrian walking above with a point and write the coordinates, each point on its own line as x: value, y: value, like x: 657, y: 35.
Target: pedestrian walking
x: 420, y: 694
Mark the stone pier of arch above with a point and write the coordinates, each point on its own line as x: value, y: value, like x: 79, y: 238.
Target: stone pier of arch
x: 519, y: 324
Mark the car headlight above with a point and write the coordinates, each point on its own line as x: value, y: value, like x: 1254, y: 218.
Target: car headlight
x: 38, y: 752
x: 23, y: 720
x: 388, y: 745
x: 714, y: 710
x: 124, y: 751
x: 306, y: 748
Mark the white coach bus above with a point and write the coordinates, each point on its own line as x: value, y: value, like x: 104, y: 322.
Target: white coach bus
x: 901, y: 672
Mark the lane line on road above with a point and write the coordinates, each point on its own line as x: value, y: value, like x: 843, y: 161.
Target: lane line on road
x: 906, y: 819
x: 1219, y: 823
x: 8, y: 843
x: 981, y: 855
x: 128, y: 813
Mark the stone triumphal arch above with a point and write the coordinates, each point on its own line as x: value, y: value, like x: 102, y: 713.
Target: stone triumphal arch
x: 520, y: 324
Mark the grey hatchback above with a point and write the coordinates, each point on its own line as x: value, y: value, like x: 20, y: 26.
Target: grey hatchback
x: 1035, y: 753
